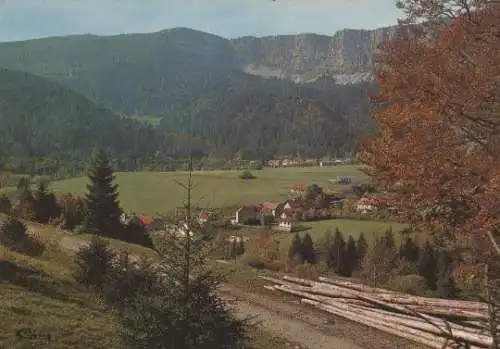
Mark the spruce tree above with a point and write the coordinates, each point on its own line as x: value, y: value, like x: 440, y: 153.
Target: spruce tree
x: 103, y: 211
x: 234, y: 249
x: 361, y: 249
x: 5, y: 204
x: 307, y: 250
x: 445, y: 284
x: 336, y: 252
x: 46, y: 206
x: 409, y: 250
x: 240, y: 248
x: 390, y: 242
x: 185, y: 310
x: 94, y: 262
x: 427, y: 265
x: 296, y: 248
x: 350, y: 257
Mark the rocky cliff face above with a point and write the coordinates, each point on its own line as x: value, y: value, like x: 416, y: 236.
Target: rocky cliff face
x: 347, y: 56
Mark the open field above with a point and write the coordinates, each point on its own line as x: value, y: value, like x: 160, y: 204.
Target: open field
x: 153, y: 192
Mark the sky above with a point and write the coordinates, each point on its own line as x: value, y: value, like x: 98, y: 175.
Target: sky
x: 26, y: 19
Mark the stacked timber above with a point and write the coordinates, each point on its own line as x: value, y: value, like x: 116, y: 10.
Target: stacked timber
x: 427, y: 321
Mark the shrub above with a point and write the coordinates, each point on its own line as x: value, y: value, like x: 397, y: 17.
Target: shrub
x: 411, y: 284
x: 14, y: 235
x: 137, y: 234
x: 247, y: 175
x: 94, y: 262
x: 126, y: 280
x: 311, y: 271
x: 72, y: 210
x: 5, y: 204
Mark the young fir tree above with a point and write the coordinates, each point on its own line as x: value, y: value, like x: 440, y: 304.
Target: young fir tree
x: 240, y: 248
x: 5, y: 204
x: 350, y: 257
x: 295, y: 250
x: 185, y: 311
x: 390, y: 242
x: 46, y: 206
x: 427, y: 265
x: 103, y: 211
x: 234, y: 249
x: 336, y: 253
x: 445, y: 284
x: 93, y: 264
x: 361, y: 249
x: 409, y: 250
x: 307, y: 250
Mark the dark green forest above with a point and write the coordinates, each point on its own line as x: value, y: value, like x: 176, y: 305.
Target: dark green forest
x: 85, y: 89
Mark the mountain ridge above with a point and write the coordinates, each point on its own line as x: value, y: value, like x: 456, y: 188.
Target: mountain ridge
x: 195, y: 84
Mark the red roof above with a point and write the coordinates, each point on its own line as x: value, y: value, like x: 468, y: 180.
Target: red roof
x: 299, y: 186
x: 268, y: 205
x: 204, y: 215
x: 146, y: 220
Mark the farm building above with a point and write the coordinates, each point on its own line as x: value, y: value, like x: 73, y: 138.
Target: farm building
x: 286, y: 221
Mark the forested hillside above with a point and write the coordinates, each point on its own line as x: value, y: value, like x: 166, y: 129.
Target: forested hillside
x: 193, y: 82
x: 43, y: 121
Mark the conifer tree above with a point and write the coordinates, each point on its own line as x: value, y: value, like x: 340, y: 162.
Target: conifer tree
x: 296, y: 248
x: 103, y: 211
x: 94, y: 263
x: 390, y: 242
x: 350, y: 257
x: 427, y: 265
x: 361, y: 249
x: 185, y: 310
x: 336, y: 252
x: 45, y: 203
x: 445, y: 284
x: 307, y: 250
x: 5, y: 204
x: 234, y: 249
x: 409, y: 250
x: 240, y: 249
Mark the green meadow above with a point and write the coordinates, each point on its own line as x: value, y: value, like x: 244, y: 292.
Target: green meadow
x: 159, y: 192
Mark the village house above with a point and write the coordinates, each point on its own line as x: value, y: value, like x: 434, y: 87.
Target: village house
x: 247, y: 214
x: 268, y: 212
x: 150, y: 223
x: 274, y: 163
x: 179, y: 230
x: 204, y: 216
x: 287, y: 221
x: 366, y: 205
x: 344, y: 179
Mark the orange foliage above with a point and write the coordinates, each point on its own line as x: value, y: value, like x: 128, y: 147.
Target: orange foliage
x: 439, y: 135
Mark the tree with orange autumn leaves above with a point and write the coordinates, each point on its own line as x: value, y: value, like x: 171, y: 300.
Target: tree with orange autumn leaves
x: 438, y: 109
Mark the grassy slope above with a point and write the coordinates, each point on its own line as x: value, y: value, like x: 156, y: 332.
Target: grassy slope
x: 153, y: 192
x: 43, y: 297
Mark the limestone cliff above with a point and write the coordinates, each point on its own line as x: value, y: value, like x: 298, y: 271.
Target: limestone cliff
x: 347, y: 55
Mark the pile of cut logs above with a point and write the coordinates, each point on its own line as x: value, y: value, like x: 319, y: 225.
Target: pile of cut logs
x: 427, y: 321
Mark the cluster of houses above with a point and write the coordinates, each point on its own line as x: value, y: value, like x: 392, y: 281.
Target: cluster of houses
x: 285, y: 215
x: 298, y: 162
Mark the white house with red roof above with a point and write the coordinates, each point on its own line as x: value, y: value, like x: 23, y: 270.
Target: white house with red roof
x: 367, y: 204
